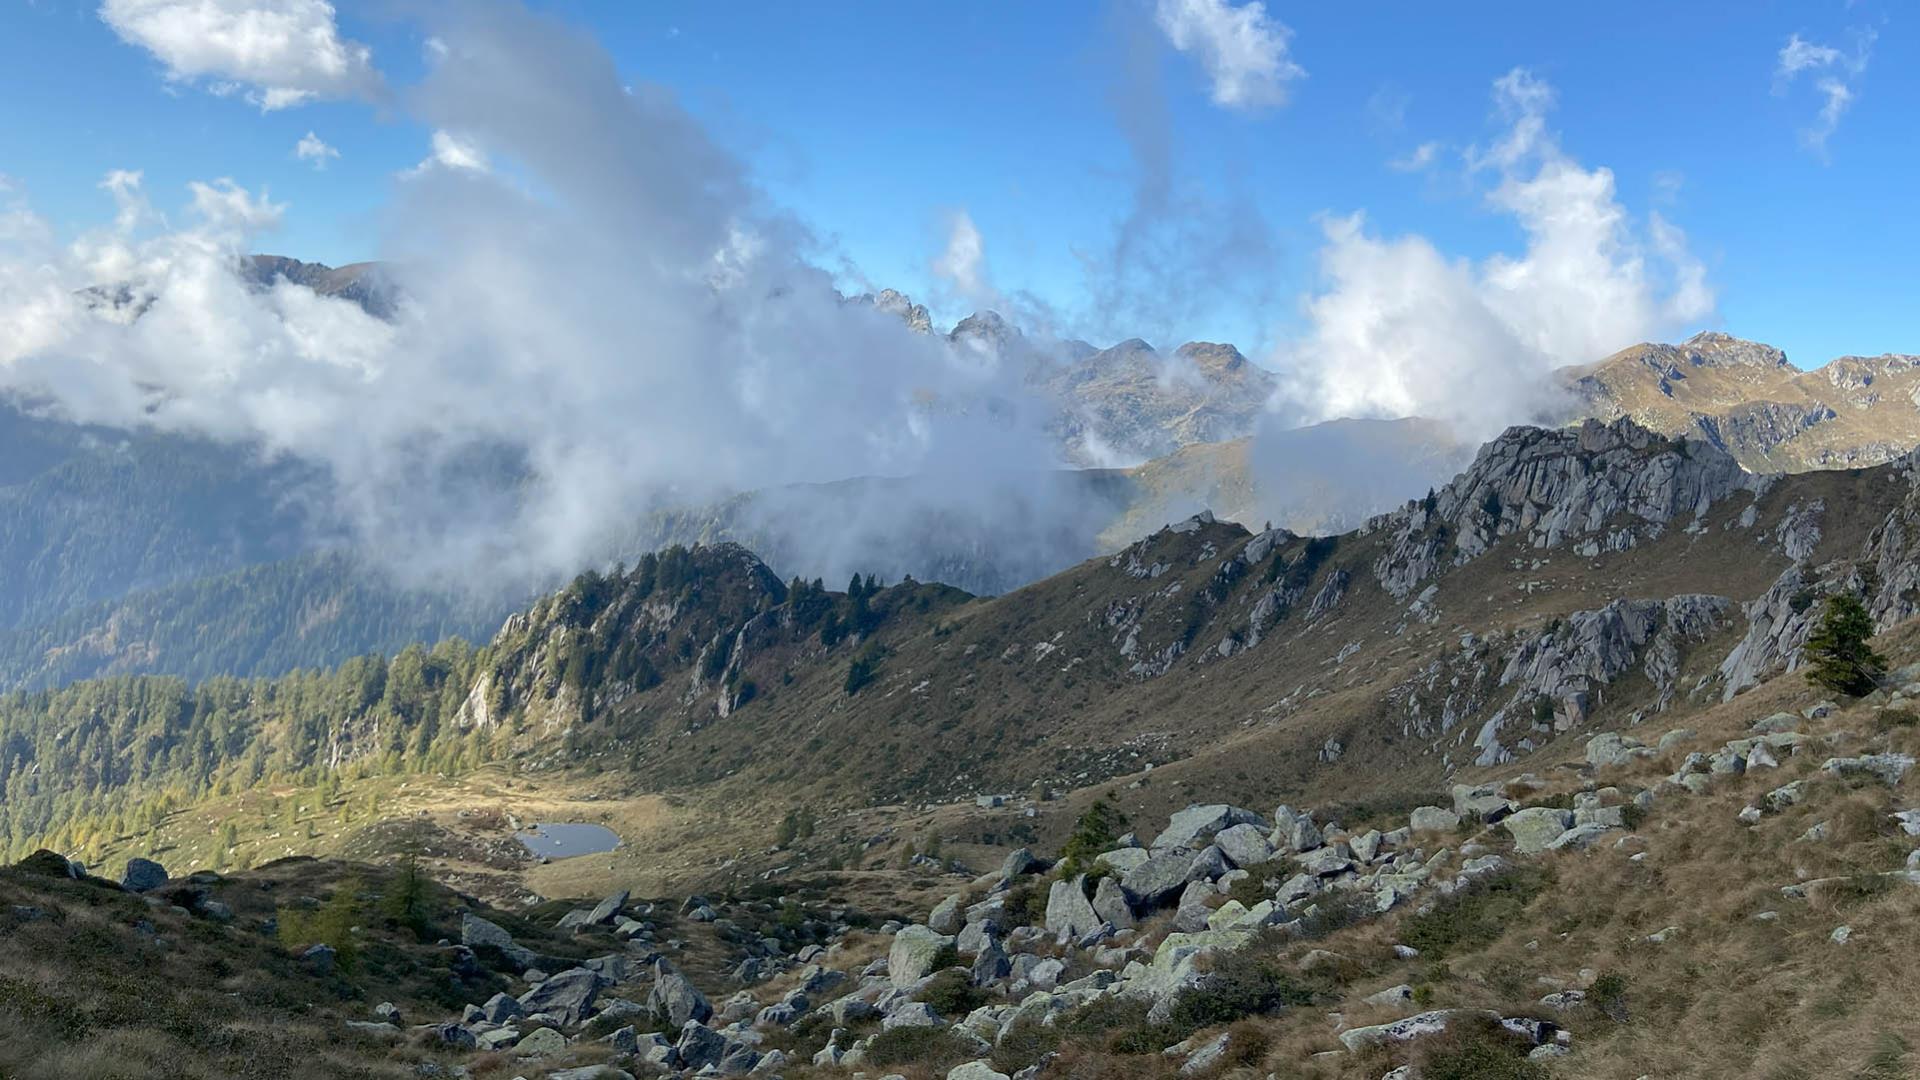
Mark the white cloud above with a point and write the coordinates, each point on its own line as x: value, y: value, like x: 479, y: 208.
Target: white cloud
x: 1243, y: 50
x: 282, y: 52
x: 1419, y: 159
x: 1399, y: 328
x: 963, y: 265
x: 619, y: 319
x: 312, y: 149
x: 454, y: 152
x: 1799, y: 55
x: 1835, y: 75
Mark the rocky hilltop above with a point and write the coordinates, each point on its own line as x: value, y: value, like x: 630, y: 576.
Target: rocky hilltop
x: 1745, y: 398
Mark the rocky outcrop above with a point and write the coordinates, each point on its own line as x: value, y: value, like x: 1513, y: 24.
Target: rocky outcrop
x: 1597, y: 487
x: 1554, y: 678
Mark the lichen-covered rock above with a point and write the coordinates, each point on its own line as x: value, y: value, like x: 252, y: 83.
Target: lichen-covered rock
x: 1244, y: 845
x: 1069, y: 913
x: 1536, y: 827
x: 1412, y: 1027
x: 1195, y: 825
x: 914, y: 950
x: 1889, y: 769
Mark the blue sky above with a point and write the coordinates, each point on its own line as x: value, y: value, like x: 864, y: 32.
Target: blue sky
x: 878, y: 124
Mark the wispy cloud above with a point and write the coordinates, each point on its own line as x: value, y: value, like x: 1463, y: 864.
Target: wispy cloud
x: 1244, y: 50
x: 278, y: 53
x: 454, y: 152
x: 1419, y: 159
x: 313, y: 150
x: 1835, y: 74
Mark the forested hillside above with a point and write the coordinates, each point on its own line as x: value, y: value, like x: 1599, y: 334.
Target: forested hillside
x: 305, y: 612
x: 88, y: 515
x: 108, y: 757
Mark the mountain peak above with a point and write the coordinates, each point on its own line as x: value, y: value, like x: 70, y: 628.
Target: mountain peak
x: 1215, y: 360
x: 896, y: 303
x: 1713, y: 348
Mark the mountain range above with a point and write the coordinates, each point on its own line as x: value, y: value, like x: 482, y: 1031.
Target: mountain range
x: 1567, y: 672
x: 149, y: 552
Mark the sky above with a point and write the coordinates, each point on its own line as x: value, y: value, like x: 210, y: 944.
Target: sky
x: 1172, y: 169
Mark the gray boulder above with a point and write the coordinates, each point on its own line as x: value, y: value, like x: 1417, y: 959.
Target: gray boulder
x: 1110, y: 904
x: 675, y: 1000
x: 1122, y: 860
x: 1244, y: 845
x: 1889, y: 769
x: 477, y: 933
x: 605, y: 910
x: 1481, y: 803
x: 1536, y: 827
x: 945, y: 917
x: 1191, y: 916
x: 1195, y: 824
x: 700, y: 1046
x: 541, y: 1042
x: 1209, y: 865
x: 1433, y: 819
x: 1019, y: 861
x: 912, y: 1014
x: 1325, y: 862
x: 990, y: 965
x: 1150, y: 883
x: 568, y: 995
x: 143, y: 875
x: 1206, y: 1056
x: 1069, y: 914
x: 501, y: 1008
x: 915, y: 948
x: 1412, y: 1027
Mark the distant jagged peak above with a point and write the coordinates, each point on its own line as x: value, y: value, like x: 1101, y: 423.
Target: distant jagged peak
x: 1711, y: 348
x: 900, y: 305
x: 1854, y: 372
x: 986, y: 327
x: 1222, y: 363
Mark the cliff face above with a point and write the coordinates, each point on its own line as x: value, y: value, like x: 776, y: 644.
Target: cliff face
x: 1598, y: 487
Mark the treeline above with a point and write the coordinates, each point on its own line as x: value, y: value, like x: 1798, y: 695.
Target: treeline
x: 93, y: 515
x: 105, y: 758
x: 108, y: 757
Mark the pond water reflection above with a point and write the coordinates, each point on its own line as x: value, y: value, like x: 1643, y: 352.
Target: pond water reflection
x: 564, y: 841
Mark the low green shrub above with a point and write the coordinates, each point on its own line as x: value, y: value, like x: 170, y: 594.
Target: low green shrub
x: 1476, y: 915
x: 933, y: 1049
x: 1480, y: 1050
x: 952, y: 994
x: 1024, y: 1045
x: 1239, y: 985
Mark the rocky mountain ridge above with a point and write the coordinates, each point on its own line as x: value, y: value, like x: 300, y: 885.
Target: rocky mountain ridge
x: 1747, y: 399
